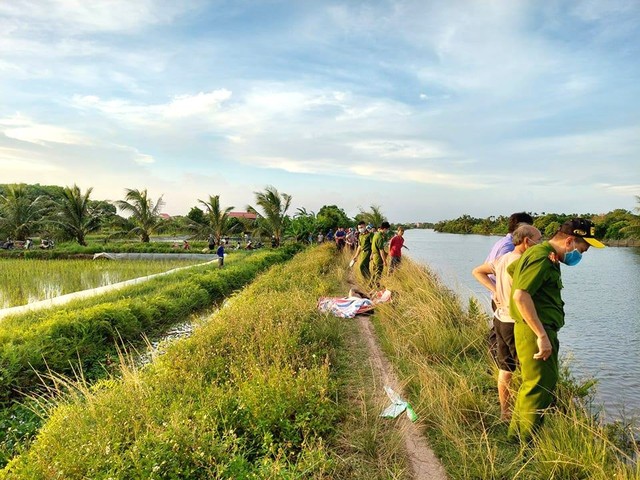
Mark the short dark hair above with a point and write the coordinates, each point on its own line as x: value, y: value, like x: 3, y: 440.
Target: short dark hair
x: 385, y: 225
x: 362, y: 222
x: 519, y: 217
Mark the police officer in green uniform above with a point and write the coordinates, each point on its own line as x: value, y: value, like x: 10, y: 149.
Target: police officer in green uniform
x: 378, y: 253
x: 362, y: 254
x: 537, y: 308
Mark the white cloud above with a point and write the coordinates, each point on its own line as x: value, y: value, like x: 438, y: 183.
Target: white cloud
x: 78, y: 16
x: 24, y: 129
x: 202, y: 103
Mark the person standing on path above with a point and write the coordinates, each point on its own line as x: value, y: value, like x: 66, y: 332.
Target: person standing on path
x: 524, y: 236
x: 538, y: 310
x: 220, y: 253
x: 378, y: 253
x: 395, y: 249
x: 363, y: 253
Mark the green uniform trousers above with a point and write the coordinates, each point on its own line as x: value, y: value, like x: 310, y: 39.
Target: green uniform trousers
x: 363, y: 264
x: 539, y: 378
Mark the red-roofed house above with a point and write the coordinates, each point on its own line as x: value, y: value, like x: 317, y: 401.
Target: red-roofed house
x: 247, y: 215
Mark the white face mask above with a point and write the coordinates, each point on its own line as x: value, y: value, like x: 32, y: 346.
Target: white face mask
x: 361, y: 230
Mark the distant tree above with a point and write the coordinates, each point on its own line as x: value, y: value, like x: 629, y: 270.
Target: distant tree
x: 20, y: 215
x: 551, y: 229
x: 217, y: 220
x: 633, y: 229
x: 330, y: 216
x: 273, y: 218
x: 74, y: 216
x: 375, y: 216
x: 302, y: 225
x: 144, y: 214
x: 196, y: 215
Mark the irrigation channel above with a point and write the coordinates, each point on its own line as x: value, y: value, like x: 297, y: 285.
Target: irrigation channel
x: 602, y: 304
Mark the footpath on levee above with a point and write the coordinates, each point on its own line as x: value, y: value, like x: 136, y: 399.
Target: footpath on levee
x: 270, y: 387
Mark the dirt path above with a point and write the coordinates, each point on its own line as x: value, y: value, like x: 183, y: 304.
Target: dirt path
x: 424, y: 464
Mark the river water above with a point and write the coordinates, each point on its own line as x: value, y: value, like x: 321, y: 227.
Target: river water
x: 601, y: 336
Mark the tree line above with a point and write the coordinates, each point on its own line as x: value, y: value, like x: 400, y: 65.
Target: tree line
x: 69, y: 214
x: 618, y: 224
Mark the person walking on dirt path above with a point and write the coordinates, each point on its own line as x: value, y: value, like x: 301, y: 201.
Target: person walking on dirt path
x: 524, y: 236
x: 378, y: 253
x: 538, y: 310
x: 395, y: 249
x: 501, y: 247
x: 220, y: 253
x: 362, y: 255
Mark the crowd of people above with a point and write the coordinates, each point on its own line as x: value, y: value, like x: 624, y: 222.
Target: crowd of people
x: 522, y: 272
x: 368, y: 246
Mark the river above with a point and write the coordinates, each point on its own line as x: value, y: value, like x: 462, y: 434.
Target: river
x: 601, y: 336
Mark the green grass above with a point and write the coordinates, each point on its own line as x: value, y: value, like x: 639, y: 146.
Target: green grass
x: 441, y: 351
x: 24, y: 281
x: 82, y: 336
x: 267, y: 388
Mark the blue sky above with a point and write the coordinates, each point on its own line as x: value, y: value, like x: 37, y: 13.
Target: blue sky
x: 428, y: 109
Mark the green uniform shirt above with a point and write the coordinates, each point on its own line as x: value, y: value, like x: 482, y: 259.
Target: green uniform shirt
x: 537, y: 275
x: 377, y: 246
x: 364, y: 240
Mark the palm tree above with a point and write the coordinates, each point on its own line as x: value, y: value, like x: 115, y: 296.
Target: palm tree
x: 74, y: 214
x: 19, y: 215
x: 375, y: 217
x: 219, y: 222
x: 274, y: 211
x: 144, y: 214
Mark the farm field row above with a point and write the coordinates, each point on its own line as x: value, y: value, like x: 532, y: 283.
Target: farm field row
x: 24, y: 281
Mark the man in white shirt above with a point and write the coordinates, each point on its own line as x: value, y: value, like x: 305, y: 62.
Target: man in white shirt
x: 524, y: 237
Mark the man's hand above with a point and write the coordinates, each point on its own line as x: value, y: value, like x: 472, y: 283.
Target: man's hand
x: 544, y: 348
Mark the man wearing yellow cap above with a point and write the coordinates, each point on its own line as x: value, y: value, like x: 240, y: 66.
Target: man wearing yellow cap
x: 537, y: 308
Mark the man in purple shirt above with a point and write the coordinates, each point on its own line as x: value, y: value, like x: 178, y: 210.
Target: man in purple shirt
x: 501, y: 247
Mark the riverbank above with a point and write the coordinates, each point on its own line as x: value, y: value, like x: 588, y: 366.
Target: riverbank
x: 440, y: 349
x: 270, y: 388
x: 267, y: 388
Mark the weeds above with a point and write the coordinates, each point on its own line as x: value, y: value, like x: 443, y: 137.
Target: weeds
x: 442, y: 354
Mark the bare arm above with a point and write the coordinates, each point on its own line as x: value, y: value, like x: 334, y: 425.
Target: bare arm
x: 527, y: 309
x: 481, y: 273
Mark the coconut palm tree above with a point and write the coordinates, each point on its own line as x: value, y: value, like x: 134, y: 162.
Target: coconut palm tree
x: 375, y: 217
x: 20, y: 216
x: 145, y: 215
x: 274, y: 207
x: 218, y: 220
x: 74, y: 215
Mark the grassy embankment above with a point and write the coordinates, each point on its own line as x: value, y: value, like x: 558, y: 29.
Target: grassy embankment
x: 82, y: 336
x: 266, y: 388
x: 441, y: 353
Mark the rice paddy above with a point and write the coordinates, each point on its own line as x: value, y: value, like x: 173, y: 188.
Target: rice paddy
x: 24, y: 281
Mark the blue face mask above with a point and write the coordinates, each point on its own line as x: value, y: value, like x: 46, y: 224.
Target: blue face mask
x: 572, y: 258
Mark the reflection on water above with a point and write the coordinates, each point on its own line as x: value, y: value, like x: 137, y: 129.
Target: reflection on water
x: 601, y: 336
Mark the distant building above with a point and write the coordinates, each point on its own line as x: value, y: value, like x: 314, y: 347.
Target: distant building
x: 246, y: 215
x: 165, y: 216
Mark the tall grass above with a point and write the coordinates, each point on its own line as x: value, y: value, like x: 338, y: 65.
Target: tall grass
x: 441, y: 352
x: 24, y: 281
x: 264, y: 389
x: 82, y: 336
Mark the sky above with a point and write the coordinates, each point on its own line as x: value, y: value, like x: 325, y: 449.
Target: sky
x: 427, y: 109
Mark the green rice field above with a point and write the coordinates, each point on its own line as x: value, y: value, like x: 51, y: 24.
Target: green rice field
x: 24, y: 281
